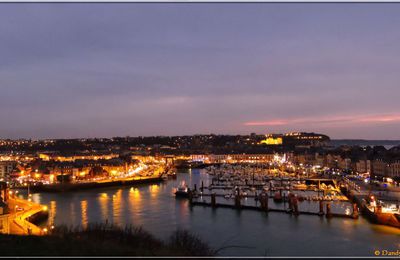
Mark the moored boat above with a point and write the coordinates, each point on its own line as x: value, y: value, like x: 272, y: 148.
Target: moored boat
x: 182, y: 190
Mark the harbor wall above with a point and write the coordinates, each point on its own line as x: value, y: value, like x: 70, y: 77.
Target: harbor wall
x: 92, y: 185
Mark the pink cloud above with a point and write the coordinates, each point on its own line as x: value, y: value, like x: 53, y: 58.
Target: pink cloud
x: 268, y: 123
x: 329, y: 120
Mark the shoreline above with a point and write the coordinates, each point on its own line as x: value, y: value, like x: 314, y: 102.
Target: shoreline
x: 67, y: 187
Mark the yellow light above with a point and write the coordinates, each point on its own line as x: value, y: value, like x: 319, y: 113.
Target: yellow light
x: 272, y: 141
x: 44, y: 208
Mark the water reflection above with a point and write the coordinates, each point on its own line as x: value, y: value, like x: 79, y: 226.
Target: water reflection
x: 103, y: 201
x: 117, y: 207
x: 135, y: 205
x: 154, y: 190
x: 52, y: 212
x: 84, y: 207
x: 72, y: 212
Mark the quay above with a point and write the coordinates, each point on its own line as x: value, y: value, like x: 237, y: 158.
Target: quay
x: 375, y: 212
x: 66, y: 187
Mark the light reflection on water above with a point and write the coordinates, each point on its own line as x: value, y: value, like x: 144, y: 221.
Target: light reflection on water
x: 84, y: 208
x: 155, y: 208
x: 117, y: 207
x: 52, y: 212
x: 103, y: 201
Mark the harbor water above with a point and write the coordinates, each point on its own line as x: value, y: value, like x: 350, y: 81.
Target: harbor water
x: 235, y: 232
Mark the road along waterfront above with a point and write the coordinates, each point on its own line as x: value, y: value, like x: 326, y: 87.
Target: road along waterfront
x: 245, y: 233
x: 21, y: 221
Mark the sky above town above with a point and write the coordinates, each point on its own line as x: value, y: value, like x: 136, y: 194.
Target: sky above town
x: 104, y: 70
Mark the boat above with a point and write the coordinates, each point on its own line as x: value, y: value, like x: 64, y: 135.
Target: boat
x: 182, y: 190
x: 380, y: 213
x: 171, y: 174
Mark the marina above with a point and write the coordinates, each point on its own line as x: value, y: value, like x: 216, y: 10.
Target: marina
x: 234, y: 187
x: 155, y: 208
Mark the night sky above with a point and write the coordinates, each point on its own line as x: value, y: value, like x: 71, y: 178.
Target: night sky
x: 104, y: 70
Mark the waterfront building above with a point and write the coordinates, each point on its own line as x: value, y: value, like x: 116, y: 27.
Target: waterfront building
x: 393, y: 169
x: 232, y: 158
x: 344, y: 163
x: 382, y: 168
x: 304, y: 158
x: 3, y: 200
x: 378, y: 167
x: 6, y: 168
x: 363, y: 166
x: 74, y: 157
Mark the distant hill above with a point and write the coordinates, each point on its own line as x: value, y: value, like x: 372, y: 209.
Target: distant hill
x: 360, y: 142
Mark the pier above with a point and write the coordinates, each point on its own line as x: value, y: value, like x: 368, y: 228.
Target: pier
x: 252, y: 188
x: 246, y: 207
x: 290, y: 205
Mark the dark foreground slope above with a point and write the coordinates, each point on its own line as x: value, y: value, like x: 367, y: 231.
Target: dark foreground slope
x: 103, y: 240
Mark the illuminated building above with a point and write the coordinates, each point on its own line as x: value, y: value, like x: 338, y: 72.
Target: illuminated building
x: 296, y: 139
x: 272, y: 140
x: 6, y: 168
x: 305, y: 139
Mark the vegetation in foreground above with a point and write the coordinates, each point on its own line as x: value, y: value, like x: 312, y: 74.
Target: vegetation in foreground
x: 104, y: 240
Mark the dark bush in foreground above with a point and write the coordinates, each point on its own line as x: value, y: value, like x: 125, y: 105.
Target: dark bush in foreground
x: 103, y: 240
x: 186, y: 243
